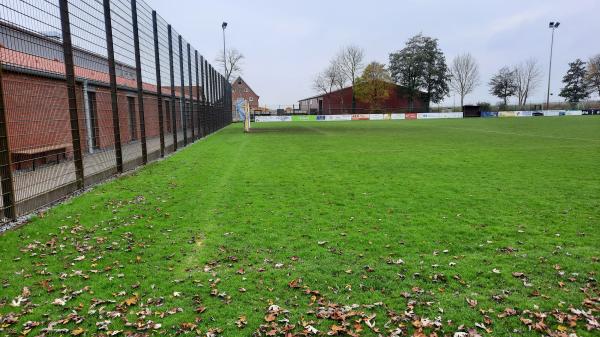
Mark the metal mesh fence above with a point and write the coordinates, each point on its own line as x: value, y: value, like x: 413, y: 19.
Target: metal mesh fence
x: 91, y: 88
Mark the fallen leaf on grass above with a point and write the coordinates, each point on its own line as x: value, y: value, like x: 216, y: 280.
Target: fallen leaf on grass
x: 472, y: 303
x: 295, y: 283
x: 77, y: 331
x: 241, y: 322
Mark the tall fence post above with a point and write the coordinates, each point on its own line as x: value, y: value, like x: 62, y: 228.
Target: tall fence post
x: 191, y: 109
x: 204, y: 95
x: 229, y: 102
x: 215, y: 103
x: 138, y: 75
x: 220, y: 100
x: 71, y: 91
x: 212, y: 100
x: 113, y: 85
x: 6, y: 177
x: 182, y: 101
x: 200, y: 135
x: 159, y: 98
x: 172, y: 77
x: 208, y: 98
x: 222, y: 88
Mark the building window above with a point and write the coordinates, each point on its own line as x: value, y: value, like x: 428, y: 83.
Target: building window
x: 95, y: 131
x: 251, y: 99
x: 168, y: 114
x: 245, y: 89
x: 132, y: 118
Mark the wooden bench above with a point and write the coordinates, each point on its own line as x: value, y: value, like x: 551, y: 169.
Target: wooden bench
x: 42, y: 153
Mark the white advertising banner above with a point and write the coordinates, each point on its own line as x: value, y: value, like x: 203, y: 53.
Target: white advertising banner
x: 398, y: 116
x: 273, y: 119
x: 551, y: 113
x: 523, y: 113
x: 573, y: 113
x: 376, y: 117
x: 338, y: 117
x: 434, y: 115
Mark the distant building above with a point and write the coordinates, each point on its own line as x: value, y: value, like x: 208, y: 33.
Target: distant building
x: 241, y: 91
x: 340, y: 102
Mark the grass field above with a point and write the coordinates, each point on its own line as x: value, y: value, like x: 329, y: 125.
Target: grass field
x: 481, y: 226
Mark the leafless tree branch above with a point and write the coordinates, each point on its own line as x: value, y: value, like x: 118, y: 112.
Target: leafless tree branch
x: 350, y: 60
x: 464, y: 75
x: 527, y: 78
x: 232, y: 63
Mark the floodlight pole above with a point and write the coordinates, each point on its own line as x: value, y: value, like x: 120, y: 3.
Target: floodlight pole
x: 553, y: 26
x: 224, y: 25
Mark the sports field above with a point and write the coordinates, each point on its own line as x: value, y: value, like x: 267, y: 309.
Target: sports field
x: 481, y: 226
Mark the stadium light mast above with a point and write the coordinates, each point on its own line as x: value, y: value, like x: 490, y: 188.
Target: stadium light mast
x: 223, y: 26
x: 552, y: 25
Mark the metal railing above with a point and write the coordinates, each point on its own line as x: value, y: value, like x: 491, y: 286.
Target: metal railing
x: 93, y: 88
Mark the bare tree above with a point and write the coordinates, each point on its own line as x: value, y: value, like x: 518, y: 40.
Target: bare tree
x: 464, y: 75
x: 330, y: 78
x: 350, y: 60
x: 593, y: 74
x: 232, y: 63
x: 527, y: 78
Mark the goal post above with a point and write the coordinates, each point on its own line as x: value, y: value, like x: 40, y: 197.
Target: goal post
x: 247, y: 117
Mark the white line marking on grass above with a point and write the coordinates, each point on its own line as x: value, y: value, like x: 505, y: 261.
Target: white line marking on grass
x: 519, y: 134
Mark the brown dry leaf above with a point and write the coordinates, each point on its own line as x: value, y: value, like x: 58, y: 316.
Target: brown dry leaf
x: 336, y: 330
x: 507, y: 312
x: 132, y: 300
x: 188, y: 326
x: 77, y: 331
x: 241, y: 322
x: 295, y: 283
x: 472, y: 303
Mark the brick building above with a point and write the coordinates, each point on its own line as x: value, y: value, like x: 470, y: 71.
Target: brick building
x: 340, y: 102
x: 241, y: 91
x: 36, y: 103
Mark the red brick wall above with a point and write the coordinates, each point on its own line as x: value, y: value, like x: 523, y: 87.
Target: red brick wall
x: 38, y: 114
x: 244, y: 91
x: 342, y: 101
x: 37, y: 111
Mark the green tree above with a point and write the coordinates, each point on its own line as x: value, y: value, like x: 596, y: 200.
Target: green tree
x: 575, y: 88
x: 373, y: 86
x: 421, y: 65
x: 504, y: 85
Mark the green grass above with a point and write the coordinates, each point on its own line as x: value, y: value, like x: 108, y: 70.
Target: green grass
x: 330, y: 203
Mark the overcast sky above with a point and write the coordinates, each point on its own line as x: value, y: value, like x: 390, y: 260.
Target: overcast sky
x: 287, y: 42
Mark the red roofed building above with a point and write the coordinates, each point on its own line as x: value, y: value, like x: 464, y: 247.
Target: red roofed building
x: 241, y: 92
x: 340, y: 102
x: 36, y: 103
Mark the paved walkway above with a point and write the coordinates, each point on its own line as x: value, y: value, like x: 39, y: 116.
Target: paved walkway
x: 31, y: 184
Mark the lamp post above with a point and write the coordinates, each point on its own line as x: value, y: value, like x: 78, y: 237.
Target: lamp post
x: 224, y: 25
x: 552, y: 25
